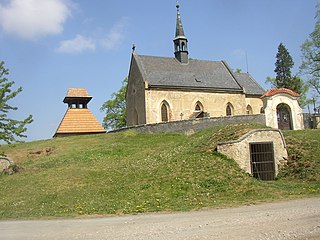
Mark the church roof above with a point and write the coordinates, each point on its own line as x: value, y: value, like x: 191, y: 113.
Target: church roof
x: 79, y: 121
x: 274, y: 91
x: 249, y: 84
x: 197, y: 74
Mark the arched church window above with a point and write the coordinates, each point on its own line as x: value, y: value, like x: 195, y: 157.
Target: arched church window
x: 177, y: 47
x: 198, y: 107
x: 229, y: 109
x: 164, y: 112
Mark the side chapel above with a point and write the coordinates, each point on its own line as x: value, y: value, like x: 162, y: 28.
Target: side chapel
x: 162, y: 89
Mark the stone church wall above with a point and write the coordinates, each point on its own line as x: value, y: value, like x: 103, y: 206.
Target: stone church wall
x: 192, y: 126
x: 135, y: 97
x: 255, y: 103
x: 182, y: 103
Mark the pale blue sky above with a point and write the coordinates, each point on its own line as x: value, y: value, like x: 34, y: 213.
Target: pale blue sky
x: 51, y: 45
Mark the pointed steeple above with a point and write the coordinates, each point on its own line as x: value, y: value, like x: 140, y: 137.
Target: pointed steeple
x: 180, y: 41
x: 179, y: 27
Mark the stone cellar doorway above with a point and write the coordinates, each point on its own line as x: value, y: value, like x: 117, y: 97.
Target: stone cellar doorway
x: 262, y: 160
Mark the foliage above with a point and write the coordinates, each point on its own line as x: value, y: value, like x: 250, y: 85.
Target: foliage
x: 311, y: 56
x: 131, y: 172
x: 284, y: 78
x: 9, y: 128
x: 115, y: 108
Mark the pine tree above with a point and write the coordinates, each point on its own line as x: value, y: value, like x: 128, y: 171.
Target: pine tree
x: 284, y: 63
x: 10, y: 129
x: 284, y: 78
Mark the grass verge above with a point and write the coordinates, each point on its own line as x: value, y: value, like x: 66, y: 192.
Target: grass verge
x: 132, y: 172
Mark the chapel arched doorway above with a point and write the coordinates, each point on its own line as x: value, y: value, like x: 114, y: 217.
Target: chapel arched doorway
x: 284, y: 117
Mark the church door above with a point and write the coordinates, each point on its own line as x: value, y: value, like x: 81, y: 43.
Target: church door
x: 284, y: 117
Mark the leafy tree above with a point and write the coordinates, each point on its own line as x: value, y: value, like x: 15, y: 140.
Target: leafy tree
x: 284, y: 78
x: 115, y: 108
x: 311, y: 55
x: 9, y: 129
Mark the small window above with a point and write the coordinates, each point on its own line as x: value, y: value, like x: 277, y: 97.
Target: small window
x: 262, y: 110
x: 229, y: 109
x: 164, y: 113
x: 198, y: 107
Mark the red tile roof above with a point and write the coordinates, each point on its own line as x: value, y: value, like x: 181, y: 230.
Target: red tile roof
x: 79, y: 121
x: 274, y: 91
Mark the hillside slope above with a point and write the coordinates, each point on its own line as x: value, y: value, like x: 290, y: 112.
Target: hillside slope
x: 132, y: 172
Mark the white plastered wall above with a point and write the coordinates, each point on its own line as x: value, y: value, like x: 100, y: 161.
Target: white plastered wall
x: 271, y: 103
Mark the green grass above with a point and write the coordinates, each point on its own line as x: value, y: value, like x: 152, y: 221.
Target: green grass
x: 132, y: 172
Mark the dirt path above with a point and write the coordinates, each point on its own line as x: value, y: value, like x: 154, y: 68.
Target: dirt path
x: 299, y: 219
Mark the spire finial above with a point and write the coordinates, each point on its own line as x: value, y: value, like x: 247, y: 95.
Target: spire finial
x: 177, y: 5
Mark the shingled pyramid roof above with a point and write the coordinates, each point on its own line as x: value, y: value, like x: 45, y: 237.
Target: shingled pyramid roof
x: 78, y: 121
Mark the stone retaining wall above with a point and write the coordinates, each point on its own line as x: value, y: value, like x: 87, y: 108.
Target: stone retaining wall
x: 192, y: 126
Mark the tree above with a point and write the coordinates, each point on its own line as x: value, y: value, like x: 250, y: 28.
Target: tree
x: 284, y: 63
x: 311, y: 55
x: 10, y: 129
x: 284, y: 78
x: 115, y: 108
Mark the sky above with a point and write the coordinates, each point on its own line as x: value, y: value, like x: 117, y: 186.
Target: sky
x: 52, y: 45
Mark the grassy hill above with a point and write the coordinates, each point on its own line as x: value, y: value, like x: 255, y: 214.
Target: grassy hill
x: 132, y: 172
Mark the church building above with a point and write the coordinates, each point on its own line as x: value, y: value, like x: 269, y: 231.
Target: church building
x: 164, y: 89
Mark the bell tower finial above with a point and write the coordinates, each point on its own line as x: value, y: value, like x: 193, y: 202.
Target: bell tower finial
x: 180, y: 41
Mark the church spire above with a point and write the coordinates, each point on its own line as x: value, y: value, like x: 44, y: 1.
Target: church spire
x: 179, y: 27
x: 180, y: 41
